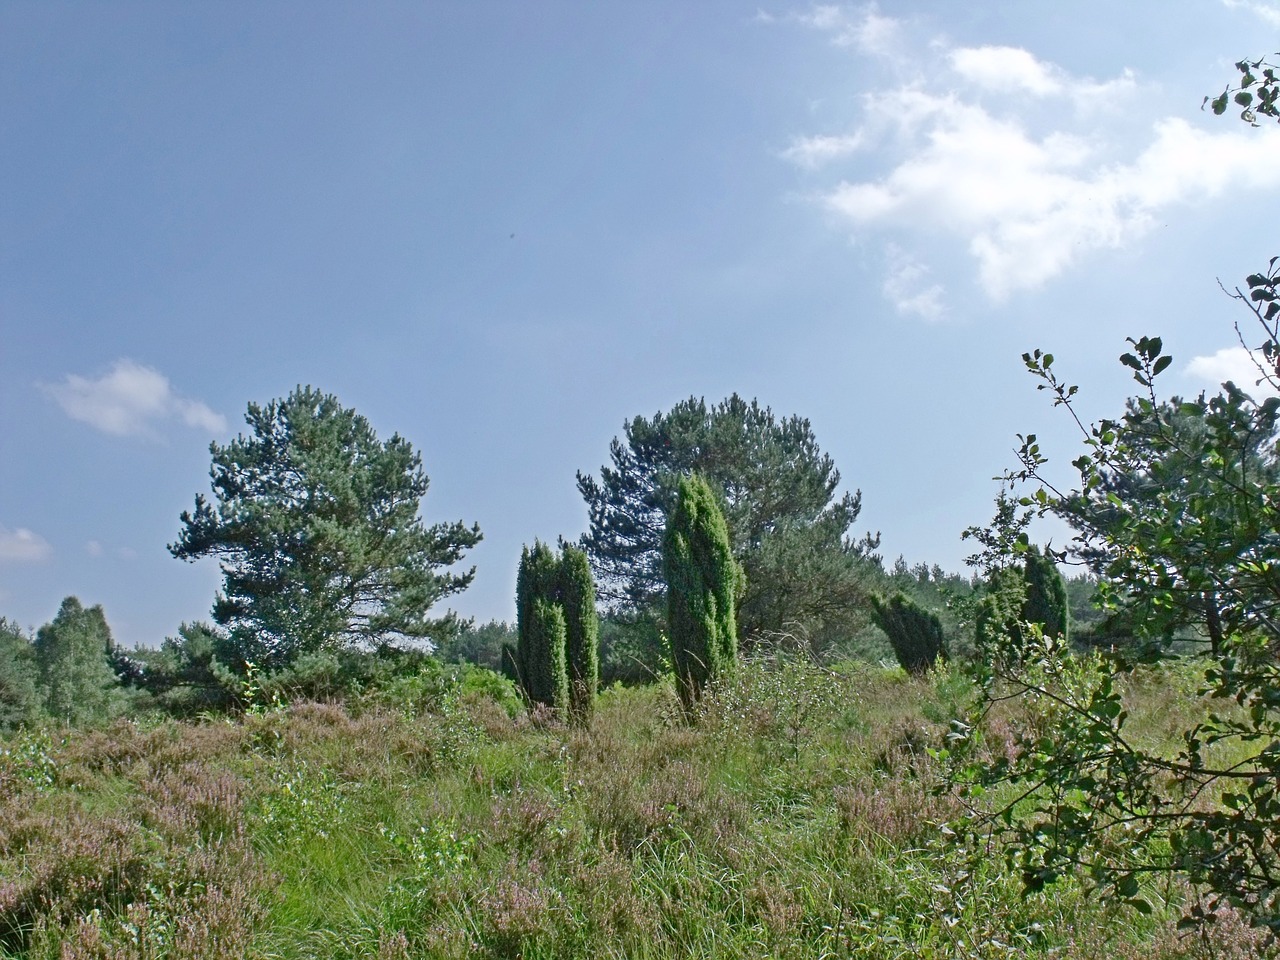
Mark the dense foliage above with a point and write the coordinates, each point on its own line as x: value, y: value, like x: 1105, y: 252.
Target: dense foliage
x: 20, y: 701
x: 556, y: 659
x: 316, y: 524
x: 703, y: 582
x: 1175, y: 511
x: 71, y: 653
x: 789, y: 527
x: 914, y: 633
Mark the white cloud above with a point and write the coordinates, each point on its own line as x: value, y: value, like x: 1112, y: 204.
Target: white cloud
x: 813, y: 152
x: 1029, y: 206
x: 907, y: 287
x: 93, y: 548
x: 131, y: 400
x: 1012, y: 70
x: 864, y: 29
x: 1006, y: 68
x: 23, y: 546
x: 1231, y: 363
x: 1267, y: 12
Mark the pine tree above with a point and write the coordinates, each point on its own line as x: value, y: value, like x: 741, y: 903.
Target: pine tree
x: 915, y: 633
x: 316, y: 525
x: 703, y: 583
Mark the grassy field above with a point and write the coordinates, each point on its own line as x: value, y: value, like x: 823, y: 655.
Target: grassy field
x: 799, y: 817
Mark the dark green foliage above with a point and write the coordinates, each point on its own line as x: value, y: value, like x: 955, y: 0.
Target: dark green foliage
x: 789, y: 527
x: 633, y: 648
x: 1046, y: 602
x: 535, y: 659
x: 577, y: 596
x: 703, y: 582
x: 997, y: 624
x: 316, y: 525
x: 187, y: 674
x: 951, y: 597
x: 545, y: 664
x: 563, y: 585
x: 915, y: 633
x: 479, y: 644
x: 72, y: 657
x: 19, y: 696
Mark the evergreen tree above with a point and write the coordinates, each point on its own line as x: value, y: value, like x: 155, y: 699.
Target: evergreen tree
x: 915, y: 633
x: 1046, y: 602
x: 577, y: 596
x: 703, y: 582
x: 790, y: 528
x: 72, y: 656
x: 317, y: 528
x: 553, y: 589
x: 540, y: 655
x: 19, y: 696
x: 998, y: 616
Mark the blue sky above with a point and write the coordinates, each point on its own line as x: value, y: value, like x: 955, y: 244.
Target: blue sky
x: 503, y: 229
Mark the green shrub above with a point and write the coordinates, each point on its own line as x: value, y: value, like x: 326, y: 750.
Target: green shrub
x: 1046, y: 602
x: 998, y: 616
x: 703, y: 583
x: 915, y: 633
x: 557, y: 630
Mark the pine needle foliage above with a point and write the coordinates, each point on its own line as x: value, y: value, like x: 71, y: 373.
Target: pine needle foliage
x: 915, y: 633
x: 703, y: 583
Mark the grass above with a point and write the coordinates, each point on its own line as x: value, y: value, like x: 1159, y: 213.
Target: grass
x: 798, y: 818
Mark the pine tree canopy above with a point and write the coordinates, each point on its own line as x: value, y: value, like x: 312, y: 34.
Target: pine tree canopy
x: 316, y: 524
x: 788, y: 525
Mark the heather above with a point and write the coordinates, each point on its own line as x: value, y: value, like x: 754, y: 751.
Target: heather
x: 801, y: 813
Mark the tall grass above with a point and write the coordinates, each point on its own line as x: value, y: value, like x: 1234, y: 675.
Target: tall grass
x: 800, y: 816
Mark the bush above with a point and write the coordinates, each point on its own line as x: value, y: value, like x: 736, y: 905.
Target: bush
x: 703, y: 583
x: 915, y: 634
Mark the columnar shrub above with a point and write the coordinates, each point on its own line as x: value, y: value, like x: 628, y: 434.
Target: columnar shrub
x: 577, y: 595
x: 556, y: 659
x: 703, y: 582
x: 1046, y: 601
x: 536, y: 646
x: 915, y: 633
x: 998, y: 618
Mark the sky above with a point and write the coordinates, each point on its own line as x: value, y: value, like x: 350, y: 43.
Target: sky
x: 503, y: 229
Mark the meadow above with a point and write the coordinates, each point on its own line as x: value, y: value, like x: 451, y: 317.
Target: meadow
x: 802, y: 815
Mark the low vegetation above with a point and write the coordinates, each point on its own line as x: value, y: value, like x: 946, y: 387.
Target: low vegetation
x: 801, y: 816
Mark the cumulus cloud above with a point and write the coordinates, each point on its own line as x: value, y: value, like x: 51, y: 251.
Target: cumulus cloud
x: 23, y: 546
x: 131, y: 400
x: 1231, y: 363
x: 1027, y: 203
x: 1006, y: 68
